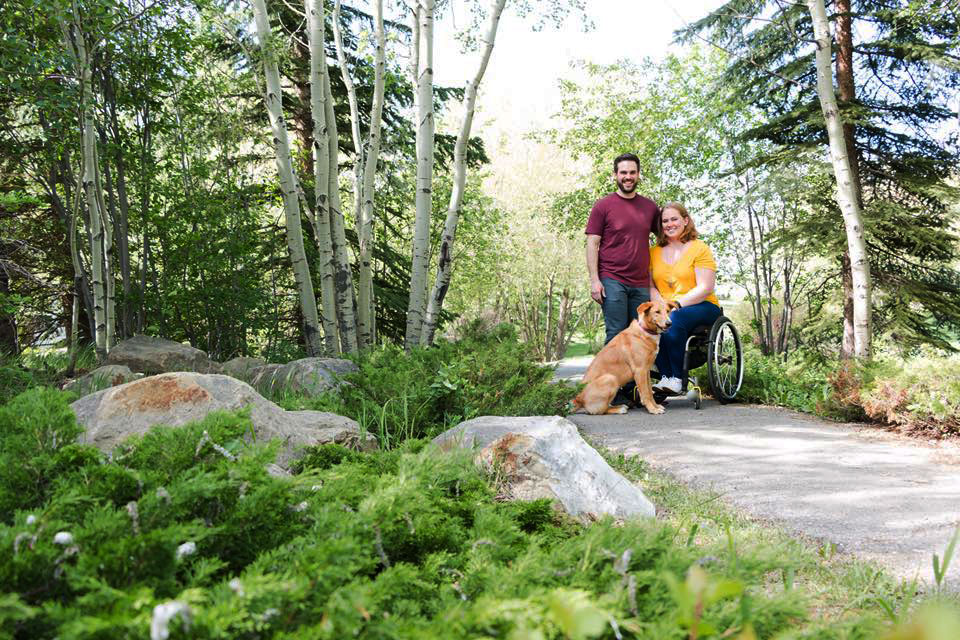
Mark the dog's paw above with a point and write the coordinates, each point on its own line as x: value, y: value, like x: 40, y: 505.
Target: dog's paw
x: 621, y: 408
x: 656, y: 409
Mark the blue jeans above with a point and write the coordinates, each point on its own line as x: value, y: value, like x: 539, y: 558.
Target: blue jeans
x: 620, y: 302
x: 673, y: 342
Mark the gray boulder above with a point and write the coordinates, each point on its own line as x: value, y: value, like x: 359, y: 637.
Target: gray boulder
x: 545, y: 457
x: 149, y: 355
x: 242, y: 367
x: 111, y: 416
x: 309, y: 376
x: 103, y: 377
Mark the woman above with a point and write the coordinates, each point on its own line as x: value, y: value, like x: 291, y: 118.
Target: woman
x: 684, y: 271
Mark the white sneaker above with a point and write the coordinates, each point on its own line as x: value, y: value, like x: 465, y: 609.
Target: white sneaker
x: 673, y: 385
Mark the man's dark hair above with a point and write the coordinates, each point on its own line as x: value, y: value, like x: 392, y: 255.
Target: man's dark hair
x: 625, y: 156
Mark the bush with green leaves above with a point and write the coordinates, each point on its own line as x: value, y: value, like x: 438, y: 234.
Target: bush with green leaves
x: 799, y: 383
x: 403, y: 543
x: 397, y: 395
x: 39, y: 367
x: 921, y: 394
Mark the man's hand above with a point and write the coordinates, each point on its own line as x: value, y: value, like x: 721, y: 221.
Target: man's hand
x: 597, y: 292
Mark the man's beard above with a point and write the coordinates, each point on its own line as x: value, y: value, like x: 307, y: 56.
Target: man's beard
x: 626, y: 189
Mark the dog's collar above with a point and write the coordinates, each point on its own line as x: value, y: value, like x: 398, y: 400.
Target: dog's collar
x: 648, y: 332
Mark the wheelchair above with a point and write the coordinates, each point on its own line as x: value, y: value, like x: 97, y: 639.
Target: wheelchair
x: 718, y: 346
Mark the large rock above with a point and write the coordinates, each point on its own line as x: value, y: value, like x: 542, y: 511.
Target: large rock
x: 110, y: 375
x: 545, y: 457
x: 242, y: 367
x: 149, y: 355
x: 309, y: 376
x: 174, y: 399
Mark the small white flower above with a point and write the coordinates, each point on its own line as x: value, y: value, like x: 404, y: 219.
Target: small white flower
x: 316, y: 487
x: 163, y: 614
x: 236, y: 586
x: 186, y: 549
x: 300, y: 507
x: 63, y: 538
x: 31, y: 519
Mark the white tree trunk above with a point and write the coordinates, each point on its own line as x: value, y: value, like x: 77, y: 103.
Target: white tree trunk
x: 76, y: 43
x: 342, y: 276
x: 365, y: 303
x: 424, y: 193
x: 445, y: 260
x: 365, y: 165
x: 353, y: 102
x: 321, y: 174
x: 110, y: 284
x: 288, y: 184
x: 846, y: 186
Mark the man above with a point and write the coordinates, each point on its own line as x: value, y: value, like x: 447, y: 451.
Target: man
x: 618, y: 247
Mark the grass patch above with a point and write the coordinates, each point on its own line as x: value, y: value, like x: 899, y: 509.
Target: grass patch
x: 842, y: 596
x: 38, y: 368
x: 579, y: 349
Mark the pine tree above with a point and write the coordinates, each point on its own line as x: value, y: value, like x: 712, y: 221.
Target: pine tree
x: 898, y: 71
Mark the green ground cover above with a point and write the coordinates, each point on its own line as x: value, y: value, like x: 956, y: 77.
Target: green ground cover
x: 402, y: 543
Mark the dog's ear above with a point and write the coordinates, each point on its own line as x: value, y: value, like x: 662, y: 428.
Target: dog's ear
x: 672, y: 305
x: 643, y: 308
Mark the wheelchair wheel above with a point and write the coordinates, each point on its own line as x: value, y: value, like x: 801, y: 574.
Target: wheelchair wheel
x: 724, y: 360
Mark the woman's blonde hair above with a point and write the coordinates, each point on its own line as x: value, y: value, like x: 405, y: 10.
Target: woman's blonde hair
x: 689, y: 232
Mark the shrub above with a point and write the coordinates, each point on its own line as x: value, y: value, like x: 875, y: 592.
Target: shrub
x: 798, y: 383
x: 921, y: 394
x: 392, y: 544
x: 34, y: 427
x: 14, y: 378
x: 399, y: 396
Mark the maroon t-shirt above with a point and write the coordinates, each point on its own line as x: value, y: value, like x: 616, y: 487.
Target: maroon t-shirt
x: 623, y: 225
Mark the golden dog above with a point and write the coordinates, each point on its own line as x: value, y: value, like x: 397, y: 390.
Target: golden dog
x: 628, y: 356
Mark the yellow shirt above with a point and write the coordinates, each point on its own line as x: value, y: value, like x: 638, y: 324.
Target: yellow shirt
x: 674, y: 280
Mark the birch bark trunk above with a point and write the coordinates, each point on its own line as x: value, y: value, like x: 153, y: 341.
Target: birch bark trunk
x: 358, y: 155
x: 342, y: 275
x: 847, y: 196
x: 76, y: 43
x: 847, y: 93
x: 106, y: 227
x: 445, y: 263
x: 288, y: 186
x: 365, y: 302
x: 366, y: 155
x: 321, y: 174
x: 425, y: 135
x: 122, y: 218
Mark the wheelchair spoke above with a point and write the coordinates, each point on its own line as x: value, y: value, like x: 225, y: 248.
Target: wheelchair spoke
x: 725, y: 360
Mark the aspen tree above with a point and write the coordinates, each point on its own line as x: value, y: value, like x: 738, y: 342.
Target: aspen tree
x: 424, y: 184
x: 445, y: 260
x: 288, y: 184
x: 366, y: 155
x: 847, y: 196
x: 342, y: 275
x: 76, y: 44
x: 321, y: 174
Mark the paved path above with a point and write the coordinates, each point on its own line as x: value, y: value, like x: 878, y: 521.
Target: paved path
x: 880, y: 496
